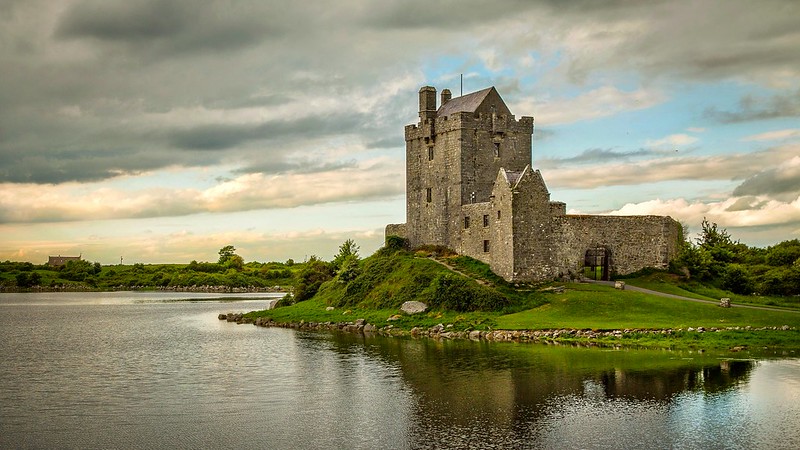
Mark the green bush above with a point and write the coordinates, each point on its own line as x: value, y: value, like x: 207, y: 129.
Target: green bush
x: 737, y: 280
x: 311, y: 278
x: 457, y: 293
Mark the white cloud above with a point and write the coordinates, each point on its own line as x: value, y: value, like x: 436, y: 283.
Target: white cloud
x: 673, y: 140
x: 774, y: 135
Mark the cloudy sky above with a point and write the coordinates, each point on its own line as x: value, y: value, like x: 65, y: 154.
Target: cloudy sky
x: 162, y: 130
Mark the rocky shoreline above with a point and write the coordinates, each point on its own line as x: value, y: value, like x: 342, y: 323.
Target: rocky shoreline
x: 440, y: 331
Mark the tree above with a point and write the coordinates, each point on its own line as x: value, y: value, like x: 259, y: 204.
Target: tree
x: 225, y: 253
x: 783, y: 254
x: 349, y: 269
x: 347, y: 250
x: 235, y: 262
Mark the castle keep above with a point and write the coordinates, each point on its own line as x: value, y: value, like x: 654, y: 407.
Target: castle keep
x: 470, y: 187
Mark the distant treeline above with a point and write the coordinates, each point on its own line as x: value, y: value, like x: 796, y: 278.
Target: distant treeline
x: 229, y: 271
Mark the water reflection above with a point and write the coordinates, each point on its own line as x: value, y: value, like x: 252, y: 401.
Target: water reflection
x: 478, y: 394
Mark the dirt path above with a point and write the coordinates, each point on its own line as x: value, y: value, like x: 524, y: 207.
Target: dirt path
x: 453, y: 269
x: 628, y: 287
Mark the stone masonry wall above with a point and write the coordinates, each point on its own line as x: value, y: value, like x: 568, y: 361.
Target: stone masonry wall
x: 396, y: 229
x: 634, y: 242
x: 534, y: 246
x: 476, y: 227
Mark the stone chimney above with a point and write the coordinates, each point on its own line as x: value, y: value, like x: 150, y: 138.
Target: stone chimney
x: 446, y: 96
x: 427, y: 103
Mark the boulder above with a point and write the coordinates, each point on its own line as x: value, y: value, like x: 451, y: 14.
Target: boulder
x: 329, y: 308
x: 725, y: 302
x: 619, y: 285
x: 413, y: 307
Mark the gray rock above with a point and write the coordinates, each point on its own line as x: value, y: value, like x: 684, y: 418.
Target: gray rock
x: 329, y: 308
x: 725, y: 302
x: 413, y: 307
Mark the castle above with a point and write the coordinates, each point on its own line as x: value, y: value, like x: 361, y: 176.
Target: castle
x: 470, y: 187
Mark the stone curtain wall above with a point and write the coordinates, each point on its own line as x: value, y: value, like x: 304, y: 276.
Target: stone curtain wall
x: 635, y: 242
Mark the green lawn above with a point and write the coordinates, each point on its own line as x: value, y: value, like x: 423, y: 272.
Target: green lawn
x: 585, y: 306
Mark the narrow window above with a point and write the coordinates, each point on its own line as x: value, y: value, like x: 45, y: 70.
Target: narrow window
x: 428, y: 195
x: 486, y: 246
x: 496, y: 149
x: 498, y: 214
x: 466, y: 222
x: 486, y: 220
x: 430, y: 153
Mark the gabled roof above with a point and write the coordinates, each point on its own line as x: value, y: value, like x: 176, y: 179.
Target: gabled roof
x: 465, y: 103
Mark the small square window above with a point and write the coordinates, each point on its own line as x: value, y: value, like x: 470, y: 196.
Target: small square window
x: 486, y: 246
x: 466, y: 222
x: 428, y: 195
x: 486, y: 220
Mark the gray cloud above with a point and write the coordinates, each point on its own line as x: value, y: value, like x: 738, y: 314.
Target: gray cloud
x: 599, y: 155
x: 301, y: 166
x: 780, y: 182
x: 748, y: 203
x: 752, y: 108
x: 216, y: 137
x: 169, y: 27
x: 124, y: 21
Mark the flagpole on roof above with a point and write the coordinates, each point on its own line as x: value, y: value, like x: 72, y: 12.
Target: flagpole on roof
x: 462, y: 85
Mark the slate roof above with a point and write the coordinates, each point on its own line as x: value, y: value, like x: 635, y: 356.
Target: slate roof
x: 465, y: 103
x: 513, y: 176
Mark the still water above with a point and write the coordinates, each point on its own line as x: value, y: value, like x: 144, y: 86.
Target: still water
x: 156, y: 370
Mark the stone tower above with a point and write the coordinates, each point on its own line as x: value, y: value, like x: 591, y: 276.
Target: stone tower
x: 452, y: 158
